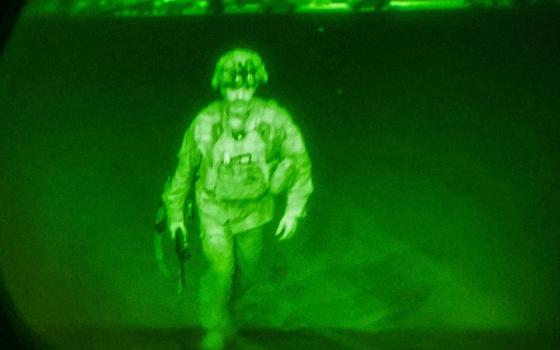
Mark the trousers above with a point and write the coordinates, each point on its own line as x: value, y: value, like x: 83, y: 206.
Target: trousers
x: 227, y: 255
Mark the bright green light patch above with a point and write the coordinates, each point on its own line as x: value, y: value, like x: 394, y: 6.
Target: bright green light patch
x: 162, y: 8
x: 333, y: 7
x: 427, y: 5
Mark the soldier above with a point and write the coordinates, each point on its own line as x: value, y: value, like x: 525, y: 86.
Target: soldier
x: 237, y: 155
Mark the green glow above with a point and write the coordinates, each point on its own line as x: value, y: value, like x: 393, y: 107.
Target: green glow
x: 427, y: 4
x: 148, y: 8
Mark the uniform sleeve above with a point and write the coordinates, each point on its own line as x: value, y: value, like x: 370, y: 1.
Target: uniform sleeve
x: 293, y: 148
x: 181, y: 184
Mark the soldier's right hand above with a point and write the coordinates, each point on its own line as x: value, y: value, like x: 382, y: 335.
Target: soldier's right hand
x: 177, y: 226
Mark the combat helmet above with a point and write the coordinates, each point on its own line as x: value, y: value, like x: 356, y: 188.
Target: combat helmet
x: 239, y: 68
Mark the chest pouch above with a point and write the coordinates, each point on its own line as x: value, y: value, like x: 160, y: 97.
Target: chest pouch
x: 240, y: 181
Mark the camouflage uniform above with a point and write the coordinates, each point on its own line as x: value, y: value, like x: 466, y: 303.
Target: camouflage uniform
x: 269, y: 158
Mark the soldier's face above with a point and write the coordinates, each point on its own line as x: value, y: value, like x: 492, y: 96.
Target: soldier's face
x: 238, y: 98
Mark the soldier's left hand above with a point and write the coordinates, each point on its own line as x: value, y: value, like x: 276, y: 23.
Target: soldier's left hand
x: 287, y: 227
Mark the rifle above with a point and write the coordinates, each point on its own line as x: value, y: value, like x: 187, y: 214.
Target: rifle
x: 181, y: 248
x: 183, y: 254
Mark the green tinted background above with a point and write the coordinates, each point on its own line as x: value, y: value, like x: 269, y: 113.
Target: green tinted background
x: 435, y: 152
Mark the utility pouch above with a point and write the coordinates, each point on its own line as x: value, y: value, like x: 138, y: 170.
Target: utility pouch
x: 240, y: 181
